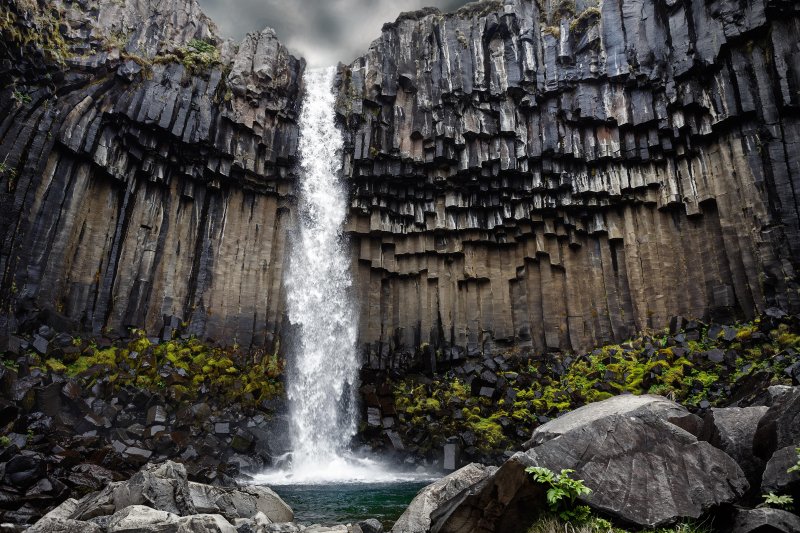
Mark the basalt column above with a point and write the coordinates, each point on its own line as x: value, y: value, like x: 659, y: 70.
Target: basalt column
x: 146, y: 171
x: 551, y: 176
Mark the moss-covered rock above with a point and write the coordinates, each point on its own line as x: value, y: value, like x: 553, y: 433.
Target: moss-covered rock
x: 701, y: 366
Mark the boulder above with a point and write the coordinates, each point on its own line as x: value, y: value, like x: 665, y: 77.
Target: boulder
x: 764, y: 520
x: 205, y: 523
x: 780, y: 425
x: 731, y: 430
x: 370, y: 526
x: 507, y: 501
x: 417, y: 518
x: 142, y: 519
x: 777, y: 477
x: 164, y: 487
x: 240, y: 503
x: 63, y: 525
x: 642, y: 468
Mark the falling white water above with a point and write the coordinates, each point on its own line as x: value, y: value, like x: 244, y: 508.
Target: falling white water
x: 322, y: 379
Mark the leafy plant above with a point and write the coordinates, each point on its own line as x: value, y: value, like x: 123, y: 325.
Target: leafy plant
x: 5, y: 442
x: 20, y: 97
x: 796, y: 467
x: 773, y: 500
x: 562, y: 493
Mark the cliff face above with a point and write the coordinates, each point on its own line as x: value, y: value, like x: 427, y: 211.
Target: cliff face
x: 146, y: 169
x: 525, y: 174
x: 557, y: 175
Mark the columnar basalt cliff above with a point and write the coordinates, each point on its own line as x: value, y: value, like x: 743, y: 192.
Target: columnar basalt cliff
x: 146, y: 169
x: 554, y: 175
x: 530, y: 174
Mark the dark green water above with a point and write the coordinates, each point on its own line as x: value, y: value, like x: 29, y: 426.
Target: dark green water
x: 349, y: 502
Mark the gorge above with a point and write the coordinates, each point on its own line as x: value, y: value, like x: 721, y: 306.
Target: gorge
x: 491, y: 218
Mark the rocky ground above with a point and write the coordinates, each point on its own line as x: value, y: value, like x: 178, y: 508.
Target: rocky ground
x: 484, y: 408
x: 649, y: 463
x: 161, y: 499
x: 77, y: 414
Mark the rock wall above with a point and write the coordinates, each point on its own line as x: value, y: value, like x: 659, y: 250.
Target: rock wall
x: 552, y: 175
x: 142, y: 179
x: 524, y: 174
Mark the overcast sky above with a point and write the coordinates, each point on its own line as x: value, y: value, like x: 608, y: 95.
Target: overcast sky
x: 323, y: 31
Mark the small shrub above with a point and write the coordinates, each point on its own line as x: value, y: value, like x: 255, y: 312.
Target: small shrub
x: 21, y: 98
x: 5, y: 442
x: 774, y: 500
x: 562, y: 493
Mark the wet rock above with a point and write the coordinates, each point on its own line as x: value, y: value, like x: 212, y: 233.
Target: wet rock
x: 370, y: 526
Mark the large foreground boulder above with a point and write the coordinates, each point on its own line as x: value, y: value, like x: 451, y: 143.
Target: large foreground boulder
x: 644, y: 469
x: 642, y: 466
x: 417, y: 518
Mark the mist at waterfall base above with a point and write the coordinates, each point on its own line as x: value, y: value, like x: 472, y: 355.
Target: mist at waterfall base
x: 322, y: 380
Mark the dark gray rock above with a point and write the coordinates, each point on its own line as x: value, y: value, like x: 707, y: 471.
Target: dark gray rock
x: 507, y: 500
x: 417, y: 518
x: 642, y: 468
x: 732, y: 430
x: 370, y: 526
x: 765, y: 520
x: 780, y: 425
x: 777, y: 477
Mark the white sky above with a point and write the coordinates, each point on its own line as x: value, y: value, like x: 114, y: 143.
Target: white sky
x: 323, y: 31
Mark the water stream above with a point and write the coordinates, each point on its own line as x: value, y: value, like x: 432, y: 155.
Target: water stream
x: 321, y: 477
x: 321, y: 383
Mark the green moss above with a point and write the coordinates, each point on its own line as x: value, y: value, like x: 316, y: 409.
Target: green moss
x: 27, y: 24
x: 228, y: 375
x: 587, y: 16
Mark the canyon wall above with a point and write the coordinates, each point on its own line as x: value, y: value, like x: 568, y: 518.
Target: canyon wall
x: 144, y: 178
x: 527, y: 175
x: 555, y: 175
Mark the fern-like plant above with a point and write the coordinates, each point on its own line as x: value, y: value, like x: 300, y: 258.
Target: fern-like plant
x: 774, y: 500
x: 562, y: 493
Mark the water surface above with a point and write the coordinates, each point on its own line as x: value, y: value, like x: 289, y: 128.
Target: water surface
x: 334, y: 503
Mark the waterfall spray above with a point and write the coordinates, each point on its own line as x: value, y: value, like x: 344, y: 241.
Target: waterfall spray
x: 324, y: 369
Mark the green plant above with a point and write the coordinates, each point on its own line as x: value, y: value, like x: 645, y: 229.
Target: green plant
x: 5, y: 442
x: 796, y: 467
x: 20, y: 97
x: 199, y: 56
x: 562, y: 493
x: 775, y: 500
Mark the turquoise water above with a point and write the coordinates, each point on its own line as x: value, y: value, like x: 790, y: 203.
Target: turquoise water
x: 337, y: 503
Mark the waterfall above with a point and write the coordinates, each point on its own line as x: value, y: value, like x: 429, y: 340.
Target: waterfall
x: 324, y: 365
